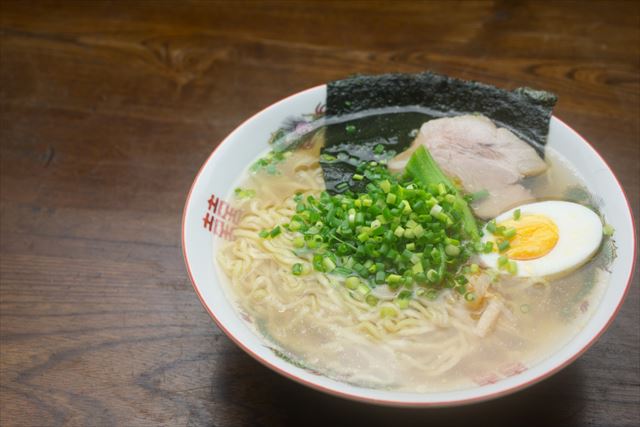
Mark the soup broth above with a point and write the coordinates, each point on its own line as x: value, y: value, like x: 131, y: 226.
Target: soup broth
x: 436, y: 343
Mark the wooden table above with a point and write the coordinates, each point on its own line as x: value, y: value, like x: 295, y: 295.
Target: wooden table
x: 110, y: 108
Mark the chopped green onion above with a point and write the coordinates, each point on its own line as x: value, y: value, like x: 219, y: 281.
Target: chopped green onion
x: 297, y: 269
x: 502, y: 261
x: 432, y: 294
x: 327, y: 157
x: 350, y: 128
x: 317, y: 262
x: 387, y: 312
x: 435, y: 210
x: 417, y: 268
x: 385, y: 186
x: 342, y: 186
x: 242, y: 193
x: 452, y: 251
x: 608, y: 230
x: 363, y: 289
x: 298, y: 242
x: 503, y: 245
x: 342, y: 271
x: 404, y: 231
x: 294, y: 226
x: 371, y: 300
x: 357, y: 177
x: 352, y: 282
x: 517, y: 214
x: 512, y: 267
x: 363, y: 237
x: 432, y: 276
x: 509, y: 233
x: 404, y: 295
x: 393, y: 278
x: 391, y: 199
x: 402, y: 303
x: 461, y: 280
x: 328, y: 264
x: 470, y: 296
x: 488, y: 247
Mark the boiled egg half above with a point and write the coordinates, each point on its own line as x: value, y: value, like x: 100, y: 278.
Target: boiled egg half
x: 550, y: 238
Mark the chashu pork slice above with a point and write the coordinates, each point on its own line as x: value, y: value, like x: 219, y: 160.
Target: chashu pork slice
x: 479, y: 156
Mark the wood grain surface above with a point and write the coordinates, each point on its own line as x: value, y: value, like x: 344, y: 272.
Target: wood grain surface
x: 108, y: 110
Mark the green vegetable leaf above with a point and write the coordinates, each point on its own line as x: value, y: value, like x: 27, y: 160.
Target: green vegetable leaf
x: 423, y: 168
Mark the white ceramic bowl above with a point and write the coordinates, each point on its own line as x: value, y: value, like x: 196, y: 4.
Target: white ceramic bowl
x: 215, y: 182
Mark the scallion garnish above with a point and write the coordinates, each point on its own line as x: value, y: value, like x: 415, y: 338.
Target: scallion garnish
x: 352, y: 282
x: 404, y: 231
x: 298, y: 242
x: 503, y: 245
x: 608, y: 230
x: 452, y: 250
x: 502, y: 261
x: 244, y: 193
x: 509, y: 233
x: 328, y: 265
x: 387, y: 312
x: 488, y: 247
x: 297, y: 269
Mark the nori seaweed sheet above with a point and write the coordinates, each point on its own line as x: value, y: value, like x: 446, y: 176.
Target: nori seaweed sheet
x: 394, y: 132
x: 524, y: 111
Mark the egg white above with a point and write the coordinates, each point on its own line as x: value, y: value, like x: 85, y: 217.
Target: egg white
x: 579, y: 237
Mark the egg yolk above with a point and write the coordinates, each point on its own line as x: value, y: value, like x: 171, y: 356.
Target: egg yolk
x: 536, y: 236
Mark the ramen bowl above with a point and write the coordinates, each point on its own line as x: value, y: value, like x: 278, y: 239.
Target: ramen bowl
x: 208, y: 220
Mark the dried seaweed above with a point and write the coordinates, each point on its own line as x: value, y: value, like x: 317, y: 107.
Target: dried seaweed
x: 524, y: 111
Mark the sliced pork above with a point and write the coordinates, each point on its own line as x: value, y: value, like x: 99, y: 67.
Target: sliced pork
x: 479, y: 156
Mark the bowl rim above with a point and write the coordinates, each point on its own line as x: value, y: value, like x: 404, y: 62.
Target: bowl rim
x: 390, y: 402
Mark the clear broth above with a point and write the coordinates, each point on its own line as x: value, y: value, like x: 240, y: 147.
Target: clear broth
x: 540, y: 318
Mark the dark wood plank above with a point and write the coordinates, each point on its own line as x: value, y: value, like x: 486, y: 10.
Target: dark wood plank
x: 109, y: 108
